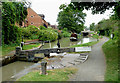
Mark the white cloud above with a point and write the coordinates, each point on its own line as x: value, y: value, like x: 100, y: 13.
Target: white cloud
x: 95, y: 18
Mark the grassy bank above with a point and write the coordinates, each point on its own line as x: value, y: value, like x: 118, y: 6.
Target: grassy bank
x: 85, y: 44
x: 111, y: 53
x: 53, y: 75
x: 8, y: 48
x: 31, y: 46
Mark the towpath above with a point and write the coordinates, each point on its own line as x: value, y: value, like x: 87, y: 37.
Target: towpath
x: 94, y: 68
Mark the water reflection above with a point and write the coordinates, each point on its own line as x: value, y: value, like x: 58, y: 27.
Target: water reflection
x: 13, y: 68
x: 65, y: 42
x: 86, y: 40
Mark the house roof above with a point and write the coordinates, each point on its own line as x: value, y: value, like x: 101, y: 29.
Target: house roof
x: 42, y: 16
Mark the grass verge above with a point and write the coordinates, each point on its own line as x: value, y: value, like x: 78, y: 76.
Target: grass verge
x: 53, y: 75
x: 95, y: 36
x: 7, y: 49
x: 31, y: 46
x: 111, y: 53
x: 85, y: 44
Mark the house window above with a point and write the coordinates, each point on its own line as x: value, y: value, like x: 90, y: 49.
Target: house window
x: 32, y: 16
x: 45, y: 25
x: 32, y: 23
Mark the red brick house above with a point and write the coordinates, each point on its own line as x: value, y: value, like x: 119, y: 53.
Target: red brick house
x: 33, y: 19
x: 43, y: 20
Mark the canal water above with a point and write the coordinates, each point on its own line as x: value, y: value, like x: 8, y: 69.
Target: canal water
x: 13, y: 68
x: 65, y: 42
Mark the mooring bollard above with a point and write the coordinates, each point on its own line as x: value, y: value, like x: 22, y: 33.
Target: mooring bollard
x: 18, y: 49
x: 43, y: 67
x: 47, y: 55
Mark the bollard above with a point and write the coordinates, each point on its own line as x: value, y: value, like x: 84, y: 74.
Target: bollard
x: 18, y: 49
x: 43, y: 67
x: 22, y: 43
x: 47, y: 55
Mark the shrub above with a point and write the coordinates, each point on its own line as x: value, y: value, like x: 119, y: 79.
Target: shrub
x: 26, y: 33
x: 42, y: 28
x: 116, y: 35
x: 46, y: 35
x: 11, y: 34
x: 32, y: 29
x: 65, y: 33
x: 34, y: 36
x: 95, y: 36
x: 65, y: 29
x: 30, y: 32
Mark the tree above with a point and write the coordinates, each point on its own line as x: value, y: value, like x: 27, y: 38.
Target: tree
x: 92, y: 27
x: 72, y: 19
x: 107, y: 25
x: 96, y: 7
x: 12, y: 12
x: 101, y: 7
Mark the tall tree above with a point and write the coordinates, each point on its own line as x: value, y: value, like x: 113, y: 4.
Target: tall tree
x: 12, y: 12
x: 72, y: 19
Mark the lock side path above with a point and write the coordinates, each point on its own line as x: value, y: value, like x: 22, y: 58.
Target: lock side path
x: 94, y: 68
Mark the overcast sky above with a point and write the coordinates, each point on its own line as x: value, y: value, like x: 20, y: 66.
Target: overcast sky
x: 50, y: 8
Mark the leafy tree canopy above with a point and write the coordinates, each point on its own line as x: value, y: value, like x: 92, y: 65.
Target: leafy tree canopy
x: 72, y: 19
x: 12, y: 12
x: 98, y: 7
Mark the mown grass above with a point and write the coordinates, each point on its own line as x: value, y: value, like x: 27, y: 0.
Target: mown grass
x: 111, y: 53
x: 95, y: 36
x: 85, y: 44
x: 7, y: 49
x: 31, y: 46
x: 53, y: 75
